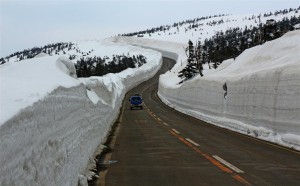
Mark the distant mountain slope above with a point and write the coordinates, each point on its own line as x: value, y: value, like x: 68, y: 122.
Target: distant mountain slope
x: 91, y: 58
x: 206, y: 27
x: 218, y: 38
x: 75, y: 51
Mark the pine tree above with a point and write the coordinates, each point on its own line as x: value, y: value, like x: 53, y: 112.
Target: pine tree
x: 191, y: 68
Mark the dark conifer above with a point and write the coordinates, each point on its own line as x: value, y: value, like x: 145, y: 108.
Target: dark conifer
x: 191, y: 68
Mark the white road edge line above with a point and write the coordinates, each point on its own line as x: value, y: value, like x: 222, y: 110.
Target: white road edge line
x: 228, y: 164
x: 176, y: 131
x: 192, y: 142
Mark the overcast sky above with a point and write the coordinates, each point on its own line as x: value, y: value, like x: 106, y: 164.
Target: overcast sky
x: 28, y: 23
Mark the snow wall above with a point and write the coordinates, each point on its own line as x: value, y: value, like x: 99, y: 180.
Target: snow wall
x: 261, y: 97
x: 53, y: 141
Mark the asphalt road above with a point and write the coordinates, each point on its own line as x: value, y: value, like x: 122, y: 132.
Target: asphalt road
x: 160, y: 146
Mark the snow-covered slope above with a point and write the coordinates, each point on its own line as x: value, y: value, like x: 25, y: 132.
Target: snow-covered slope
x: 209, y: 27
x: 75, y: 50
x: 52, y: 122
x: 263, y: 90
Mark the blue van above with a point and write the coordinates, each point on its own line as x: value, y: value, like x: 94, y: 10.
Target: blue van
x: 136, y: 101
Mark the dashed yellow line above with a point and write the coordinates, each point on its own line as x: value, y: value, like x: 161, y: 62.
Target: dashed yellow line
x: 193, y: 145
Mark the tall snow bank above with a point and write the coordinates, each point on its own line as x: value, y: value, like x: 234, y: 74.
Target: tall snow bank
x: 26, y: 82
x: 263, y: 91
x: 52, y: 123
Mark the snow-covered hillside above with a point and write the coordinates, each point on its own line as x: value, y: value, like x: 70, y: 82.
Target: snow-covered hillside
x: 201, y: 29
x: 262, y: 98
x: 73, y: 50
x: 51, y: 123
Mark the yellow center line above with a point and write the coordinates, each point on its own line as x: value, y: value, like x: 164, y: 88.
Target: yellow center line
x: 208, y: 157
x: 212, y: 160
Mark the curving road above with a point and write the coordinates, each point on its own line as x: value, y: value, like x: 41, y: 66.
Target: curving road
x: 160, y: 146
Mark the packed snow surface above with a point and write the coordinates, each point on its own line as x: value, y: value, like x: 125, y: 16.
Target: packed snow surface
x: 52, y: 123
x: 263, y: 91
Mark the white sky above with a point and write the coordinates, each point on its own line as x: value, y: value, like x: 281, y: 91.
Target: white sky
x: 28, y: 23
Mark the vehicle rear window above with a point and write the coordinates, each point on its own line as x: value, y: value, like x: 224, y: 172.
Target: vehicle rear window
x: 136, y: 98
